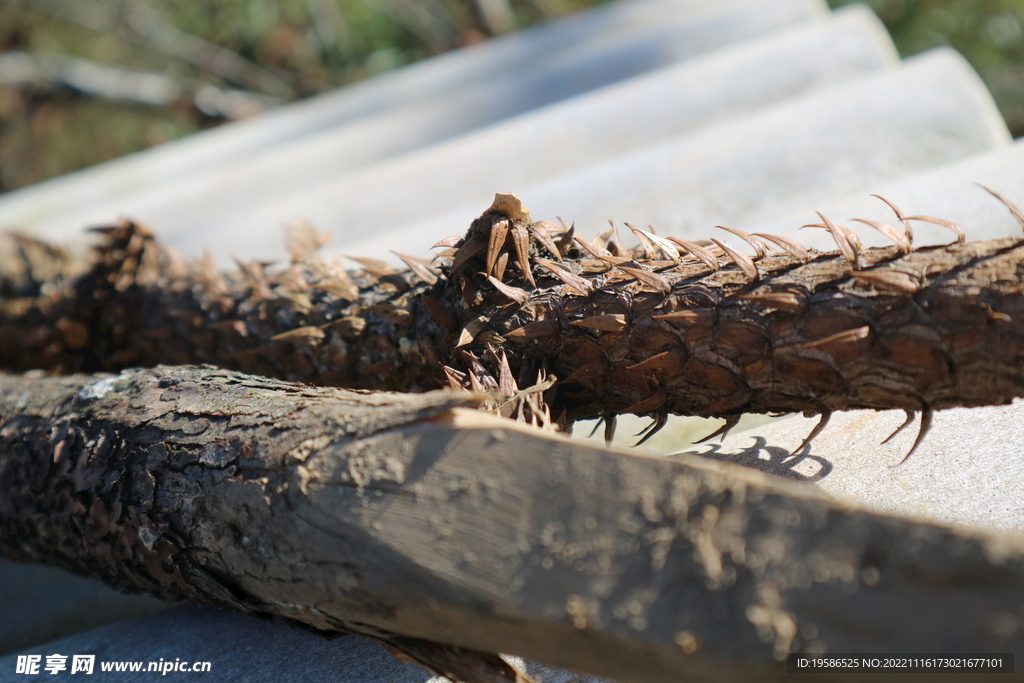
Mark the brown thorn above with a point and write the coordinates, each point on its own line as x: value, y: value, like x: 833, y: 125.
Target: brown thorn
x: 518, y: 295
x: 961, y: 237
x: 472, y: 328
x: 740, y: 259
x: 723, y: 431
x: 591, y: 370
x: 521, y: 239
x: 620, y: 246
x: 541, y: 234
x: 785, y: 301
x: 666, y: 360
x: 655, y: 427
x: 652, y: 403
x: 441, y: 315
x: 469, y: 292
x: 926, y: 424
x: 899, y: 216
x: 581, y: 285
x: 447, y: 242
x: 595, y: 250
x: 667, y: 248
x: 760, y: 248
x: 844, y: 244
x: 610, y: 422
x: 844, y: 337
x: 374, y: 267
x: 900, y: 238
x: 685, y: 316
x: 470, y: 248
x: 534, y: 330
x: 480, y: 380
x: 911, y: 414
x: 456, y: 379
x: 1014, y: 209
x: 888, y: 280
x: 418, y: 266
x: 495, y: 243
x: 659, y: 283
x: 500, y: 266
x: 850, y: 235
x: 612, y: 322
x: 650, y: 251
x: 565, y: 241
x: 794, y: 248
x: 506, y: 384
x: 617, y: 260
x: 818, y: 428
x: 653, y: 243
x: 702, y: 253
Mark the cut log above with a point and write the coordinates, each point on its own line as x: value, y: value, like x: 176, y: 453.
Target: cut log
x: 417, y: 517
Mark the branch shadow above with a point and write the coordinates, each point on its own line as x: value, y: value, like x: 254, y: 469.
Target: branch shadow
x: 770, y: 459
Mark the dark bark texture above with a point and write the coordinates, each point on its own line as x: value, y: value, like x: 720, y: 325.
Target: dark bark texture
x: 663, y: 328
x: 408, y: 517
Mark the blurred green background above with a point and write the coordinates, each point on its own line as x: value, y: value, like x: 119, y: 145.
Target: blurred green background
x: 144, y: 72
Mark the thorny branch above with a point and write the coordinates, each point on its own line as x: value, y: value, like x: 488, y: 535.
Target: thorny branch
x: 670, y: 327
x: 411, y: 516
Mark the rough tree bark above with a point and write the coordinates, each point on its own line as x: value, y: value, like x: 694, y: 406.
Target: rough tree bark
x: 408, y: 517
x: 652, y: 332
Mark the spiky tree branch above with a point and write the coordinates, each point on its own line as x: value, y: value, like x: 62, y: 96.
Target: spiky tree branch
x: 668, y: 327
x: 412, y: 519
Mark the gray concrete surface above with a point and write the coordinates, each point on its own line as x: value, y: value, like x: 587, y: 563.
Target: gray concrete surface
x: 828, y: 143
x: 949, y: 191
x: 240, y: 649
x: 440, y: 103
x: 39, y: 604
x: 967, y: 472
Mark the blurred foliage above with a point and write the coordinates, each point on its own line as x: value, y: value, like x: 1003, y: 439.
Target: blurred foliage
x: 278, y: 50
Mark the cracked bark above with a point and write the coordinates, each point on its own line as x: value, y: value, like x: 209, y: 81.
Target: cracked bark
x: 409, y: 517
